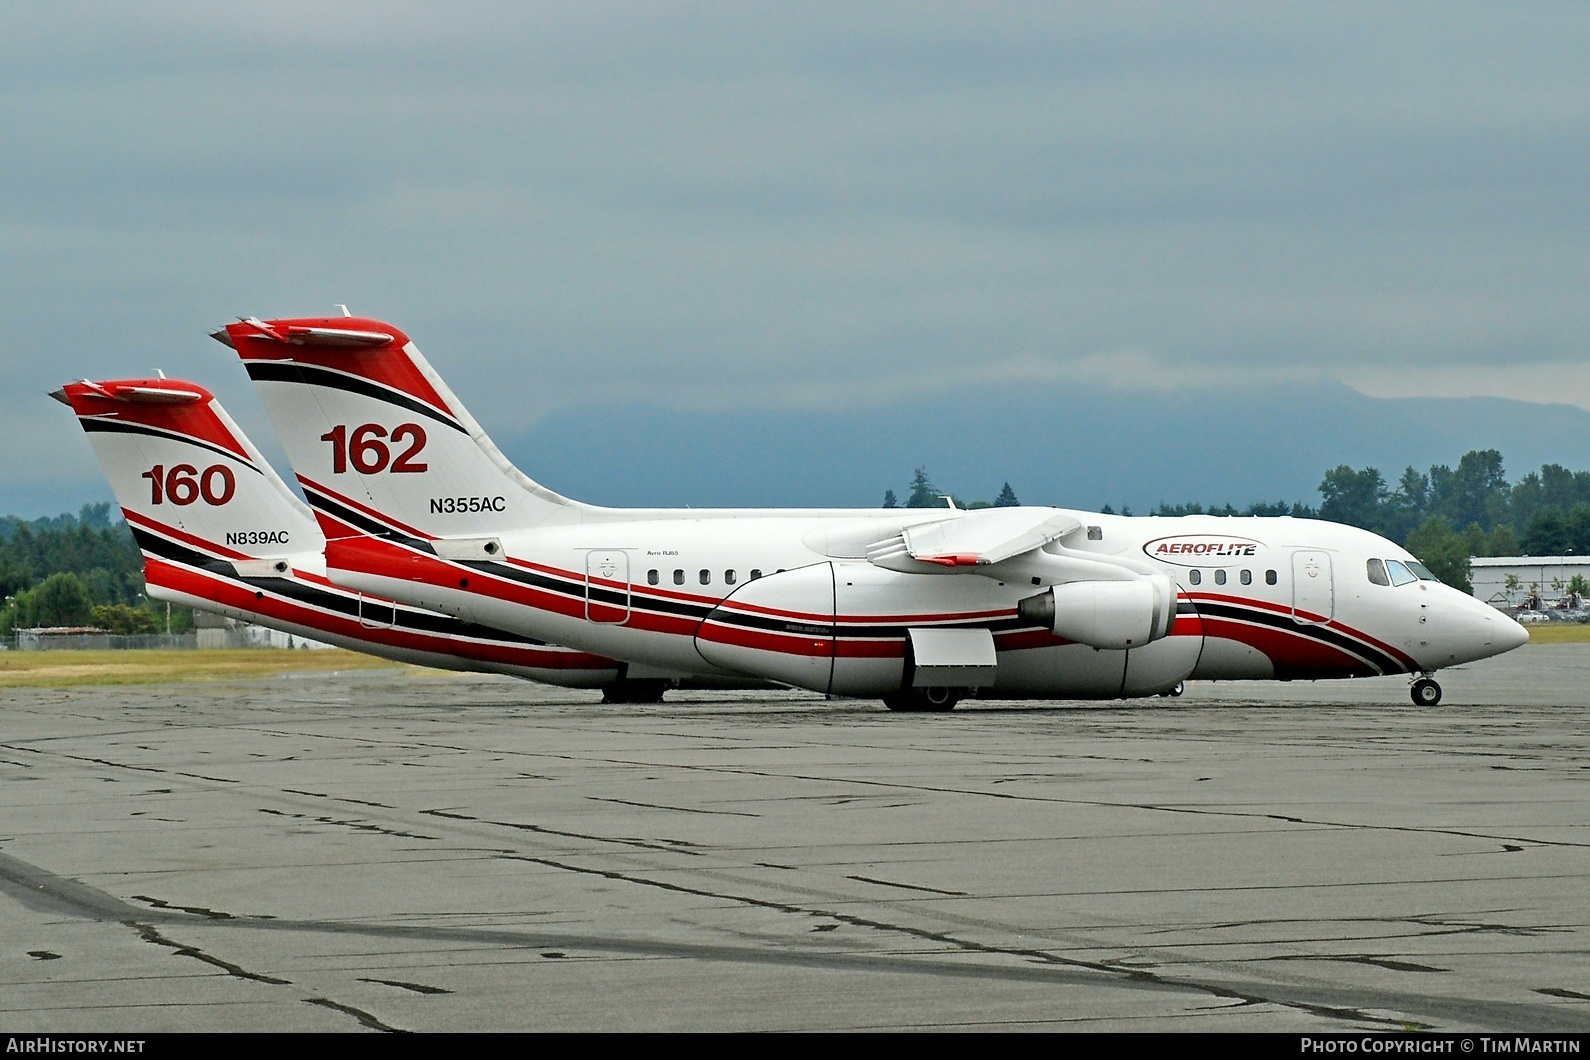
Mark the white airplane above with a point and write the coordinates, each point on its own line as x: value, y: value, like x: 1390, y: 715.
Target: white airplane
x: 219, y: 530
x: 918, y: 607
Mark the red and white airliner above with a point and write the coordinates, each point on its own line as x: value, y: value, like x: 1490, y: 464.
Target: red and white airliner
x: 219, y: 530
x: 918, y: 607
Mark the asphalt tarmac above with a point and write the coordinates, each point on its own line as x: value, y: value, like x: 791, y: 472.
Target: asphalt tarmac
x: 409, y: 850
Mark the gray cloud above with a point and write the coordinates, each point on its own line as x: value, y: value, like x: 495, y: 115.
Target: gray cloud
x: 747, y: 204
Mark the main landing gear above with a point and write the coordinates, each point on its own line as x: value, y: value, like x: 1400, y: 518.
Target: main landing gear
x: 1425, y: 692
x: 923, y: 699
x: 638, y: 690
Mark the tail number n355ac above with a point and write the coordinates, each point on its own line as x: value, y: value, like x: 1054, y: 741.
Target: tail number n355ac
x: 454, y: 505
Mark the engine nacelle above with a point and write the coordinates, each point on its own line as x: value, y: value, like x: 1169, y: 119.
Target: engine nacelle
x: 1106, y: 614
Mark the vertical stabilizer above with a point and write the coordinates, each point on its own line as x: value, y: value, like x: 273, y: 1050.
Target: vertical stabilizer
x: 185, y: 475
x: 379, y: 442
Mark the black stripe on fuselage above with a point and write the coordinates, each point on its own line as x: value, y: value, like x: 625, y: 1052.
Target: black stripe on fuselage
x: 355, y: 518
x: 637, y: 600
x: 1375, y: 657
x: 345, y: 603
x: 640, y: 601
x: 383, y: 614
x: 164, y: 548
x: 376, y: 614
x: 577, y: 590
x: 103, y: 426
x: 311, y: 375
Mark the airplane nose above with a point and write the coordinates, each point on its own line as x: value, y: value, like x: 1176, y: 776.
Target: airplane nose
x: 1480, y: 631
x: 1462, y: 629
x: 1509, y: 633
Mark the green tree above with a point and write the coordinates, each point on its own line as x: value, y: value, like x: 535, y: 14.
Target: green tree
x: 126, y: 619
x: 1579, y: 530
x: 1444, y: 551
x: 1356, y: 498
x: 1006, y: 498
x: 889, y: 500
x: 61, y: 600
x: 923, y: 493
x: 1500, y: 542
x: 1546, y: 534
x: 1482, y: 490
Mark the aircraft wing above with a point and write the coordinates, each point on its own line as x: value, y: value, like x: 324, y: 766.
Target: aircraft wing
x: 977, y: 538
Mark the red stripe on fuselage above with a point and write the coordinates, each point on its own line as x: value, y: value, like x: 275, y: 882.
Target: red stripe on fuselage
x: 358, y: 506
x: 231, y: 594
x: 1291, y: 651
x: 1281, y: 610
x: 182, y: 536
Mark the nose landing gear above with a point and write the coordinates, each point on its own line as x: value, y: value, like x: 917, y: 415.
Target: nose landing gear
x: 1425, y: 692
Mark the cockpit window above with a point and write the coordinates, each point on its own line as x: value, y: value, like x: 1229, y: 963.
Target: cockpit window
x: 1377, y: 572
x: 1422, y: 571
x: 1400, y: 574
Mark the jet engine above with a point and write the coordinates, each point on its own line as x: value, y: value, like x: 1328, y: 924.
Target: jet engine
x: 1106, y: 614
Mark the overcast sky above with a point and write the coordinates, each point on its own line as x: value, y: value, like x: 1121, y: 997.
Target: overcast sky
x: 722, y: 205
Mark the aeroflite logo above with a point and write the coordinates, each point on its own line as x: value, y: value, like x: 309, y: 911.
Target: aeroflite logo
x: 1201, y: 550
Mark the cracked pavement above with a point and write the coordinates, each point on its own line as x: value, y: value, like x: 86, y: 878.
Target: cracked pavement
x: 410, y: 851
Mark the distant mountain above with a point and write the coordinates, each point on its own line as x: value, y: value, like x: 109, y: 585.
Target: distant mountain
x: 1075, y: 447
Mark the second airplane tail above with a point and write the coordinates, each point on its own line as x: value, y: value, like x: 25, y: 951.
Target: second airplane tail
x: 186, y: 475
x: 219, y: 530
x: 380, y: 444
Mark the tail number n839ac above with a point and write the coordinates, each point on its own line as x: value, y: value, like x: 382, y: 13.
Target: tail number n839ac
x: 366, y: 449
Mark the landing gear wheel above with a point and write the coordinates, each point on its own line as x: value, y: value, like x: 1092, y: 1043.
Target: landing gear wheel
x: 639, y: 691
x: 917, y: 700
x: 1177, y: 690
x: 1425, y: 692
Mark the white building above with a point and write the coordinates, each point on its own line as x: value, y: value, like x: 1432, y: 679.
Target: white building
x: 1544, y: 578
x: 217, y: 631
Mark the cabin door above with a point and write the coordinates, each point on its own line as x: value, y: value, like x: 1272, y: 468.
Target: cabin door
x: 607, y: 586
x: 1313, y: 592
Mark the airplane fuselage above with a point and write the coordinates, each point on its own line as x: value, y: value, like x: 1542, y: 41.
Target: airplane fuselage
x: 791, y: 596
x: 915, y: 606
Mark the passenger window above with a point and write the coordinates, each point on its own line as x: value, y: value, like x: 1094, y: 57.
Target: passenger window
x: 1247, y: 577
x: 1220, y: 577
x: 1377, y: 573
x: 679, y: 577
x: 755, y: 574
x: 1400, y: 575
x: 1269, y: 577
x: 1095, y: 533
x: 1195, y: 576
x: 706, y: 577
x: 653, y: 577
x: 728, y: 577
